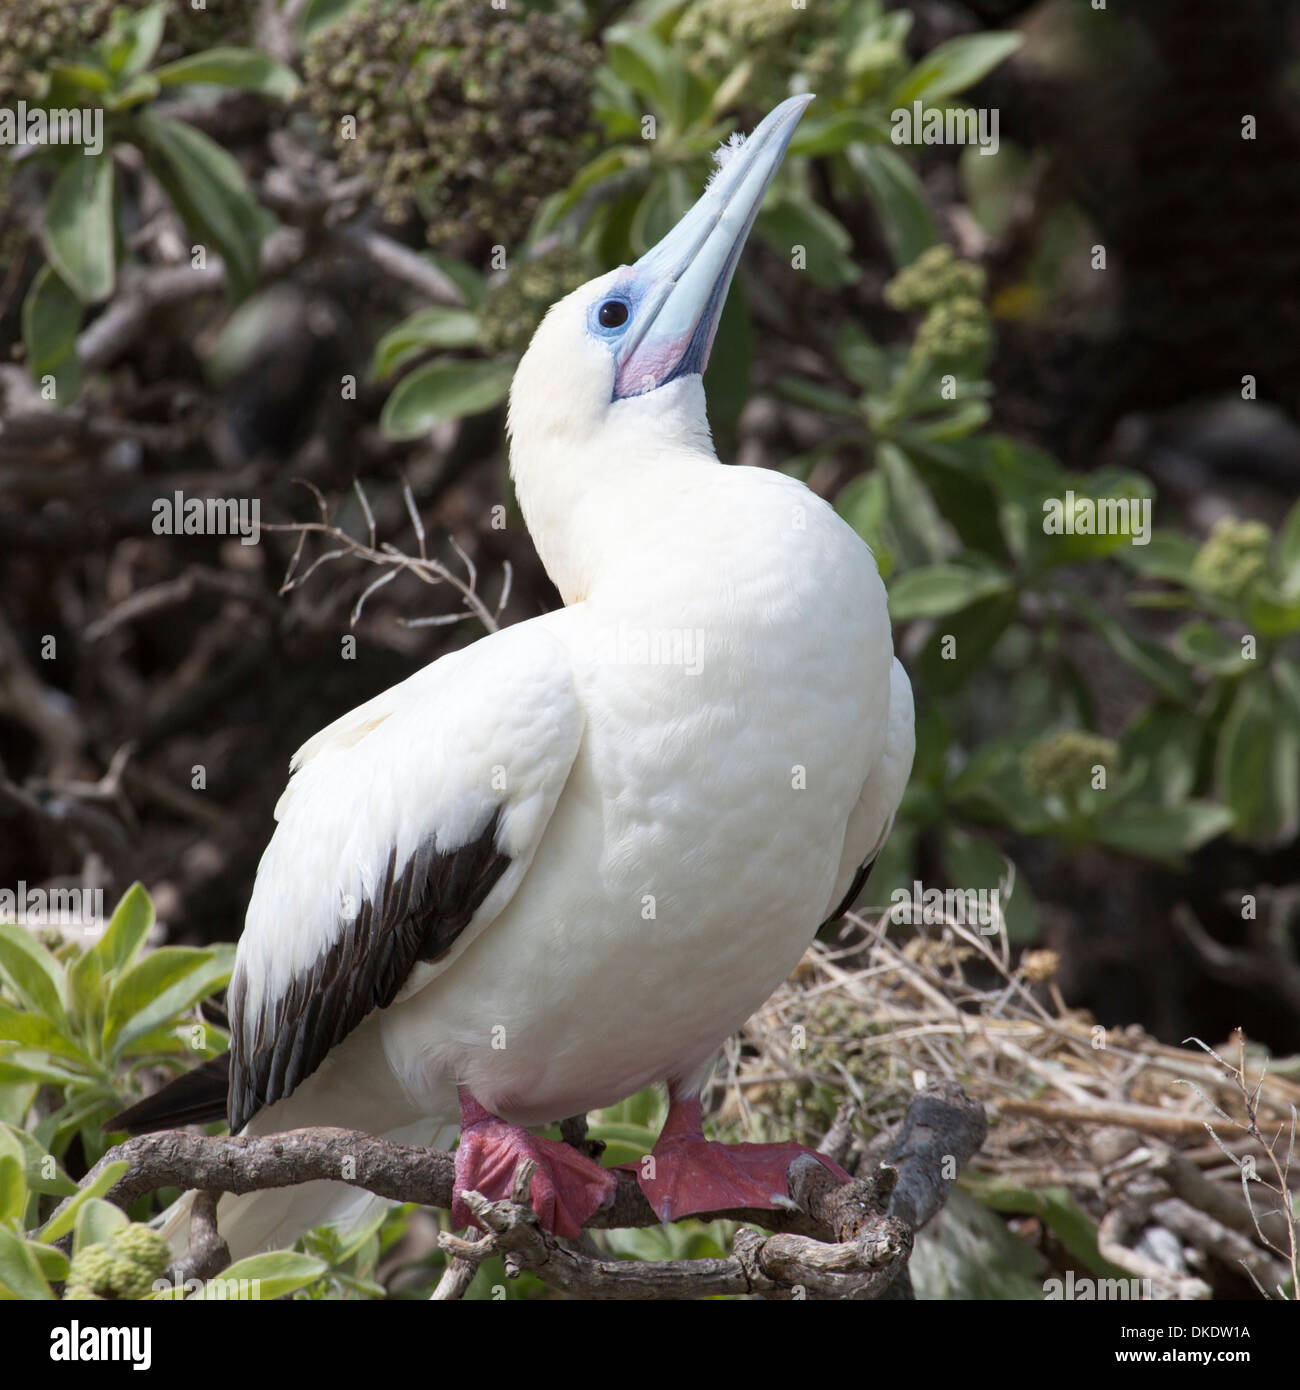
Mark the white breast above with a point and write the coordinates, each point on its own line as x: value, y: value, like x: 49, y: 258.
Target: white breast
x: 729, y: 730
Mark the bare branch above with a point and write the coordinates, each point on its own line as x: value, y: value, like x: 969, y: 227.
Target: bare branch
x: 835, y: 1240
x: 427, y: 570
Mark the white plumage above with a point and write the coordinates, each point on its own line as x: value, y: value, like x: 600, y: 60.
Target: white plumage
x: 685, y: 768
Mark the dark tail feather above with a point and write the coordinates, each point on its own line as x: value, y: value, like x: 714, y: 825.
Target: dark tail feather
x: 196, y: 1098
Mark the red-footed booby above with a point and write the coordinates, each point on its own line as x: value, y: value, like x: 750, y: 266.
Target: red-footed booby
x: 570, y: 860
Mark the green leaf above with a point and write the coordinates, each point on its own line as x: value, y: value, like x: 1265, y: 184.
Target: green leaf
x: 864, y: 504
x: 130, y: 924
x: 1257, y: 764
x: 1270, y: 613
x: 1021, y: 477
x: 467, y: 280
x: 132, y: 40
x: 437, y: 327
x: 1166, y: 741
x: 1203, y: 644
x: 560, y: 204
x: 51, y: 317
x: 865, y: 362
x: 1161, y: 832
x: 962, y: 420
x: 244, y: 68
x: 53, y: 1263
x: 13, y: 1189
x: 1288, y: 553
x: 974, y: 632
x: 817, y: 397
x: 193, y: 1037
x: 264, y: 1276
x: 970, y: 1254
x: 937, y: 590
x: 727, y: 378
x: 1056, y: 1208
x: 20, y: 1068
x: 653, y: 219
x: 37, y: 1163
x: 834, y: 131
x: 899, y: 199
x: 20, y: 1275
x: 320, y: 14
x: 163, y: 984
x: 1286, y: 677
x: 786, y: 224
x: 952, y: 472
x: 925, y: 534
x: 89, y: 76
x: 137, y: 91
x: 97, y: 1221
x: 86, y: 996
x: 444, y: 390
x: 33, y: 974
x: 647, y: 65
x: 1167, y: 556
x: 954, y: 66
x: 1097, y: 516
x: 1152, y: 662
x: 86, y: 1111
x: 65, y: 1218
x: 208, y: 188
x: 29, y: 1029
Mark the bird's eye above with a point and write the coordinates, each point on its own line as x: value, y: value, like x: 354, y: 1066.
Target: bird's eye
x: 612, y: 314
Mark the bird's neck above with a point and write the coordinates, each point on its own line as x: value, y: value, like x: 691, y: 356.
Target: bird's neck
x: 596, y: 521
x: 596, y: 497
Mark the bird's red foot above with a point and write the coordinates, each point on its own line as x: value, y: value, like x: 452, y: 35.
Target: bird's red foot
x: 566, y: 1189
x: 686, y: 1173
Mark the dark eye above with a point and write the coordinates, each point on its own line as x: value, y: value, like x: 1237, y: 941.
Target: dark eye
x: 613, y: 314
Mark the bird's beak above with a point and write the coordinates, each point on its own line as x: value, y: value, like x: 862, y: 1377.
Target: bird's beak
x: 681, y: 284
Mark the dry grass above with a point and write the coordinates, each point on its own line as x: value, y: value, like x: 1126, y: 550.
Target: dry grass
x: 1141, y: 1134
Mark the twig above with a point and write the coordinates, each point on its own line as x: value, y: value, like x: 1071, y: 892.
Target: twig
x: 208, y: 1253
x: 862, y: 1265
x: 394, y: 561
x: 143, y: 295
x: 1142, y: 1117
x: 402, y: 264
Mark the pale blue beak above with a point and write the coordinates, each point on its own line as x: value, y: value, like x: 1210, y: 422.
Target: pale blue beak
x: 674, y: 294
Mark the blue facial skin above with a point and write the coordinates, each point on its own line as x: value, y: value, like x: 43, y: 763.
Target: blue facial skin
x: 625, y: 296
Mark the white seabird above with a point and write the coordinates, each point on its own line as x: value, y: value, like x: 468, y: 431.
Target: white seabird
x: 568, y: 861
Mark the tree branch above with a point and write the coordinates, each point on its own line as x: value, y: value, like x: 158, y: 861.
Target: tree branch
x: 836, y: 1240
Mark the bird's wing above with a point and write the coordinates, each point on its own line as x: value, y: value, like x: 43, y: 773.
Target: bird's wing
x: 407, y: 826
x: 873, y: 817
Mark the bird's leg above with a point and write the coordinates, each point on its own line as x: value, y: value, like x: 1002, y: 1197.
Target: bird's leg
x: 686, y: 1173
x: 566, y: 1189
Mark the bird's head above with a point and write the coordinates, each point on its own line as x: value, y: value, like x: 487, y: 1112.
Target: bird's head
x: 622, y: 356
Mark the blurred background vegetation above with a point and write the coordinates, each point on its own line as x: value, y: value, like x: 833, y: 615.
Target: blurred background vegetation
x: 316, y: 241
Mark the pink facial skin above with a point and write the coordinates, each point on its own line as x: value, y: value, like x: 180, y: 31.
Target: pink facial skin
x: 651, y: 362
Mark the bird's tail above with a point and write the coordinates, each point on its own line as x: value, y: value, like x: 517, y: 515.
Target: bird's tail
x: 353, y: 1089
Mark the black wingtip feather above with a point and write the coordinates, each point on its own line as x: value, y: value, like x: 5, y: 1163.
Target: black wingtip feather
x: 196, y: 1098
